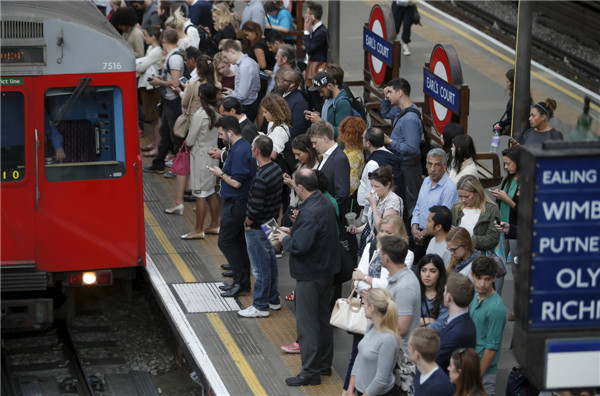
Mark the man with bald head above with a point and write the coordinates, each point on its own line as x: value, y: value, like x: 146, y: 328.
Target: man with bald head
x: 288, y: 86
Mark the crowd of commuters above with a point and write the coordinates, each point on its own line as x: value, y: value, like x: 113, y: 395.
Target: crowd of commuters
x: 279, y: 140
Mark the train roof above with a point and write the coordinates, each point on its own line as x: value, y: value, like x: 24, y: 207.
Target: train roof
x: 82, y: 12
x: 44, y: 37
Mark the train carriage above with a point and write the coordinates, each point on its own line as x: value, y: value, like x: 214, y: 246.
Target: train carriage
x: 71, y: 182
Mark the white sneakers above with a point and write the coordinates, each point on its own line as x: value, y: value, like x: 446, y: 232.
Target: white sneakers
x: 252, y: 312
x: 405, y: 49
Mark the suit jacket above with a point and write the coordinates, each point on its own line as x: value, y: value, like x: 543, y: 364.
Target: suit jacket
x: 459, y: 333
x: 316, y: 44
x: 337, y: 171
x: 249, y: 130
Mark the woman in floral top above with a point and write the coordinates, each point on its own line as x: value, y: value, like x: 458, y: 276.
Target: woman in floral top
x: 383, y: 199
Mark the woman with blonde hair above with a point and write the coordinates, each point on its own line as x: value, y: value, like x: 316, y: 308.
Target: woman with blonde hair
x: 177, y: 21
x: 465, y: 374
x: 256, y: 46
x: 224, y: 24
x: 373, y: 371
x: 223, y: 73
x: 277, y: 112
x: 370, y: 274
x: 350, y: 135
x: 476, y: 212
x: 461, y: 248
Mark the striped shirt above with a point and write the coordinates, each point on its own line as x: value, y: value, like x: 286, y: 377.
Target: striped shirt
x: 265, y: 194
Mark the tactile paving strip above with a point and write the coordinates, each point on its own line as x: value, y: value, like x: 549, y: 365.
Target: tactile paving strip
x: 204, y: 297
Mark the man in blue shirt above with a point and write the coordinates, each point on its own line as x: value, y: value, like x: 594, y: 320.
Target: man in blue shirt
x: 247, y: 80
x: 406, y: 135
x: 437, y: 189
x: 236, y: 178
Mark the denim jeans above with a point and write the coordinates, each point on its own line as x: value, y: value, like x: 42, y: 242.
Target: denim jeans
x: 264, y: 267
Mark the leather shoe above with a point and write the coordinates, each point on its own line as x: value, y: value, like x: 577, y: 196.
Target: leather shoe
x: 303, y: 379
x: 235, y: 291
x: 327, y: 372
x: 228, y: 274
x: 226, y: 267
x: 226, y: 287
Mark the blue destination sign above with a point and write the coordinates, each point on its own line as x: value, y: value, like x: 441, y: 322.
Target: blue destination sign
x: 377, y: 46
x: 440, y: 91
x: 565, y: 250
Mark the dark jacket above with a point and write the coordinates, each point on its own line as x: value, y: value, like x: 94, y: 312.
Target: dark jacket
x: 337, y: 171
x: 485, y: 235
x: 249, y: 131
x: 314, y: 241
x: 201, y: 14
x: 316, y: 44
x: 438, y: 384
x: 297, y: 105
x: 459, y: 333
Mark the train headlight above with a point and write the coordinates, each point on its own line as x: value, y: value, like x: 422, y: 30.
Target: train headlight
x: 89, y: 278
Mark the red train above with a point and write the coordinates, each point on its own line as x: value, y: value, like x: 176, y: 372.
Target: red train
x: 71, y: 181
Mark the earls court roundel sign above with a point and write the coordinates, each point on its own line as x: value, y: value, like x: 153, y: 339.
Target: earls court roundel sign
x: 439, y: 83
x: 375, y: 41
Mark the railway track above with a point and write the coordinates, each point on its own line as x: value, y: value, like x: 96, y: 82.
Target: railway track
x: 83, y: 358
x: 544, y: 52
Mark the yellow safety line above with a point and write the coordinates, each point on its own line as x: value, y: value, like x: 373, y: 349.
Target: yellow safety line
x: 236, y: 354
x: 214, y: 318
x: 504, y: 57
x: 183, y: 269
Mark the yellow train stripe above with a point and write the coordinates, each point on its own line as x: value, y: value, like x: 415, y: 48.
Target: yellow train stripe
x: 236, y: 354
x: 183, y: 269
x: 502, y: 56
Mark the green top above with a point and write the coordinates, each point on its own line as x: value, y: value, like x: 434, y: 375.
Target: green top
x: 511, y: 189
x: 489, y: 317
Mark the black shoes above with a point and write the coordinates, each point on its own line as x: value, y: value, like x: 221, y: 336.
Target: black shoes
x: 228, y: 274
x: 226, y: 266
x: 326, y: 372
x: 154, y: 169
x: 226, y: 287
x: 303, y: 379
x: 235, y: 291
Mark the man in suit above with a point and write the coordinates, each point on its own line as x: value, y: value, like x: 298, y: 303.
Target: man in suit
x: 289, y: 87
x: 460, y: 330
x: 316, y: 44
x: 335, y: 165
x: 313, y: 263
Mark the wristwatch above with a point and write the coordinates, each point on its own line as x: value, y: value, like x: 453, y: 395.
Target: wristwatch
x: 221, y: 175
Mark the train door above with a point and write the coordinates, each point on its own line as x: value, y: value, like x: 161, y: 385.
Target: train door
x: 88, y: 195
x: 18, y: 178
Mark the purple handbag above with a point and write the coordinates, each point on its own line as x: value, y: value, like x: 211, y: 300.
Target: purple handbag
x: 181, y: 163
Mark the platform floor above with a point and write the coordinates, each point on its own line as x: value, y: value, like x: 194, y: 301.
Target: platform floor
x: 241, y: 356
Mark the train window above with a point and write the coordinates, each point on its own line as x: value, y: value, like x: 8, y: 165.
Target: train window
x: 84, y: 135
x: 12, y: 136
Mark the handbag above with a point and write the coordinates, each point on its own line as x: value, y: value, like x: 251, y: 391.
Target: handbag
x: 349, y: 314
x: 312, y: 68
x: 181, y: 163
x: 182, y: 125
x: 497, y: 254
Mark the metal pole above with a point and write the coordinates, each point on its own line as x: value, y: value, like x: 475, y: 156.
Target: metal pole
x: 333, y: 25
x: 521, y: 89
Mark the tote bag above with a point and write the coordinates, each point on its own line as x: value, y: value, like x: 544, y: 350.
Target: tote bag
x: 181, y: 163
x: 349, y: 314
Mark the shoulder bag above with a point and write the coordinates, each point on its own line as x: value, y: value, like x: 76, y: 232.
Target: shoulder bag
x: 181, y: 163
x: 349, y: 314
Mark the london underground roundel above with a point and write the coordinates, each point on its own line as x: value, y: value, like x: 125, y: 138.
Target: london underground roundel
x: 444, y: 63
x: 381, y: 23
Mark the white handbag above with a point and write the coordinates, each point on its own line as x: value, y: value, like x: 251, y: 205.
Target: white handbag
x: 349, y: 314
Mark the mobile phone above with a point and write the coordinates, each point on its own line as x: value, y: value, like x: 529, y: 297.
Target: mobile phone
x: 149, y: 79
x: 183, y: 80
x: 497, y: 220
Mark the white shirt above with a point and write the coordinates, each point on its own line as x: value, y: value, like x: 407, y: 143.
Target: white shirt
x: 469, y: 219
x: 365, y: 183
x: 326, y: 155
x: 279, y: 135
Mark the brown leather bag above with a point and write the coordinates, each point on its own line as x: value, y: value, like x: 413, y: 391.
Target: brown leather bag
x: 312, y: 69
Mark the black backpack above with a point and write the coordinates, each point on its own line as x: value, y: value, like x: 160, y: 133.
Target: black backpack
x: 358, y: 109
x: 186, y: 70
x: 206, y: 44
